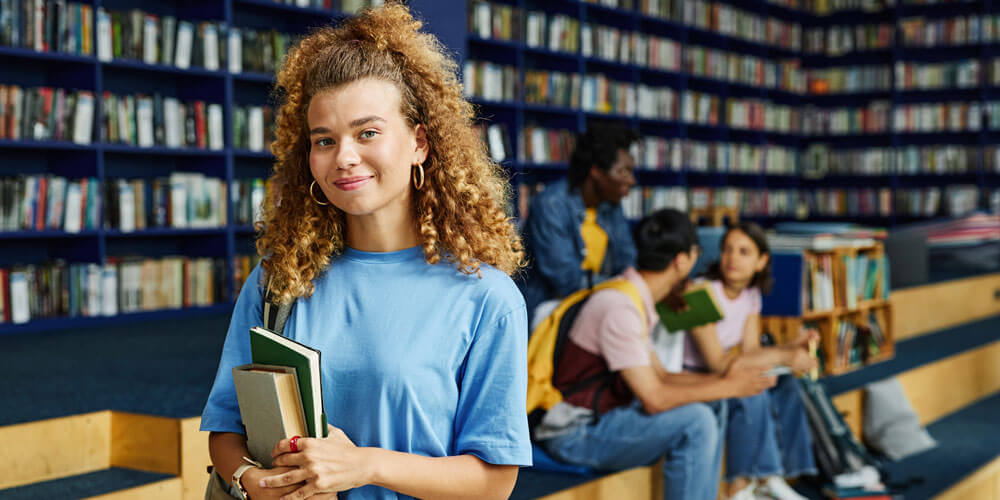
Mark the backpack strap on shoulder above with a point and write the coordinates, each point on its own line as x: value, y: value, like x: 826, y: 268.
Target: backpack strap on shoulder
x: 275, y: 313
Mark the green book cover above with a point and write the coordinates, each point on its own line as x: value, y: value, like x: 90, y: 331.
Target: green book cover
x: 269, y: 348
x: 702, y: 308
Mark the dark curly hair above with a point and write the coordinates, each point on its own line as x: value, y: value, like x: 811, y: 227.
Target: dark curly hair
x: 599, y: 146
x: 661, y: 236
x: 763, y: 280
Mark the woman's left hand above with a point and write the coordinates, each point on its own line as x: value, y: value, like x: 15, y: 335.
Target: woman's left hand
x: 327, y: 465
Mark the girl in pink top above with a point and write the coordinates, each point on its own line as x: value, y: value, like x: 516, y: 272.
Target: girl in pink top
x: 767, y: 437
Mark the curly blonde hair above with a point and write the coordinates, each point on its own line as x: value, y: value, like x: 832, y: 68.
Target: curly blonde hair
x: 461, y: 207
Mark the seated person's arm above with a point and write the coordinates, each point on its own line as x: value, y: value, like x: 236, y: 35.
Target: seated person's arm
x: 707, y: 340
x: 794, y: 355
x: 658, y: 393
x: 551, y: 241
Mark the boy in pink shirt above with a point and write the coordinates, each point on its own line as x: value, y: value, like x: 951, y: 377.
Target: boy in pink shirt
x: 622, y: 409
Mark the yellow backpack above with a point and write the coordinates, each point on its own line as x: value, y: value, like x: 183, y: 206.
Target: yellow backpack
x: 548, y: 338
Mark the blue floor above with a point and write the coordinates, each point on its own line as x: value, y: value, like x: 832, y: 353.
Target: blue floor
x: 162, y: 368
x: 84, y: 485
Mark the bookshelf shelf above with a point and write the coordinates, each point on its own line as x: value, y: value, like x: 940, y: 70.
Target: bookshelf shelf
x: 279, y: 7
x: 255, y: 77
x: 55, y: 57
x: 46, y: 145
x: 160, y: 151
x: 141, y: 67
x: 246, y: 153
x: 48, y: 234
x: 165, y: 232
x: 219, y: 249
x: 45, y: 324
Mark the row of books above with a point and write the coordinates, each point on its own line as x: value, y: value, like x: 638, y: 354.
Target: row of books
x: 873, y: 118
x: 964, y: 73
x: 545, y: 145
x: 38, y: 203
x: 629, y: 47
x: 46, y: 114
x: 746, y: 69
x: 962, y: 30
x: 904, y: 160
x: 827, y: 7
x: 182, y: 200
x: 837, y: 40
x: 253, y: 127
x: 842, y: 281
x: 849, y: 79
x: 938, y: 117
x: 349, y: 6
x: 856, y: 344
x: 536, y: 29
x: 491, y: 81
x: 695, y: 156
x: 51, y: 202
x: 260, y: 51
x: 154, y: 39
x: 47, y: 26
x: 759, y: 114
x: 153, y: 120
x: 738, y: 23
x: 247, y: 197
x: 120, y: 285
x: 953, y: 200
x: 243, y: 265
x: 496, y: 139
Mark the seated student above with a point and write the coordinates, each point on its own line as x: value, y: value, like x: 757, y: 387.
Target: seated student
x: 644, y: 413
x: 576, y: 234
x: 767, y: 435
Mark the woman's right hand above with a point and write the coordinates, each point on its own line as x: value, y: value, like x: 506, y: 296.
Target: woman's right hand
x: 251, y: 482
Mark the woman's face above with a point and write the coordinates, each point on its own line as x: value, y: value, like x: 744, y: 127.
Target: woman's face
x: 740, y: 259
x: 362, y: 150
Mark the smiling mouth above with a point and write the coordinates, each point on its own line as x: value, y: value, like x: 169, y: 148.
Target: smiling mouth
x: 351, y: 183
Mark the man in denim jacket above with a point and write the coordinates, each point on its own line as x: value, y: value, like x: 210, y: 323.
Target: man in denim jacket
x: 561, y: 233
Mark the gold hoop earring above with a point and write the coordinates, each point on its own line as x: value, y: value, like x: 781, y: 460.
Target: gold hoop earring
x: 418, y: 169
x: 311, y: 195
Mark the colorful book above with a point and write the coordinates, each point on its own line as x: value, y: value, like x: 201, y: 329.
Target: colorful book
x: 702, y: 308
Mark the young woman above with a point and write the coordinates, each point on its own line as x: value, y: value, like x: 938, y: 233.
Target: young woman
x: 387, y: 232
x: 767, y: 436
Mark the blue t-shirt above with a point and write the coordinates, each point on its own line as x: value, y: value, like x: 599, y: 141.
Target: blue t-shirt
x: 417, y: 358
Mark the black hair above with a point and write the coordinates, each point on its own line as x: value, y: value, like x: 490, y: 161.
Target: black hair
x: 661, y: 236
x: 762, y: 279
x: 599, y: 146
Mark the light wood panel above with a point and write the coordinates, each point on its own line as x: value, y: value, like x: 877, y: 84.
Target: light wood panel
x: 983, y: 484
x: 145, y: 442
x: 928, y: 308
x: 168, y: 489
x: 54, y: 448
x: 851, y: 405
x: 194, y: 458
x: 637, y: 484
x: 940, y: 388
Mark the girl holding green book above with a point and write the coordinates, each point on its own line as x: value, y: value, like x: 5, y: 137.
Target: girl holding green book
x: 385, y: 229
x: 767, y: 435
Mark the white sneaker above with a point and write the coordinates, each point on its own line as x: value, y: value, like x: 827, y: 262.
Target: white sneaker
x: 747, y: 493
x: 776, y: 488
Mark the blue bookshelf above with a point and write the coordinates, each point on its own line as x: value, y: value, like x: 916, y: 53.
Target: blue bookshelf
x: 30, y: 68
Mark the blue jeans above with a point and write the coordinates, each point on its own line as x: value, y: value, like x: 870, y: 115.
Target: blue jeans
x: 768, y: 434
x: 688, y: 436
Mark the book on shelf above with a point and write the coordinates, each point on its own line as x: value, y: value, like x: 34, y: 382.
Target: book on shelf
x: 120, y: 285
x: 49, y: 202
x: 544, y: 145
x: 269, y: 348
x: 247, y: 197
x: 838, y: 40
x: 600, y: 94
x: 702, y: 308
x: 258, y: 50
x: 270, y: 407
x: 873, y: 118
x: 849, y: 79
x: 496, y: 139
x: 938, y: 117
x: 243, y: 265
x: 253, y: 127
x: 552, y: 88
x: 490, y: 81
x: 495, y: 21
x: 182, y: 200
x: 46, y: 114
x: 160, y: 39
x: 153, y: 120
x: 47, y: 26
x: 353, y: 6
